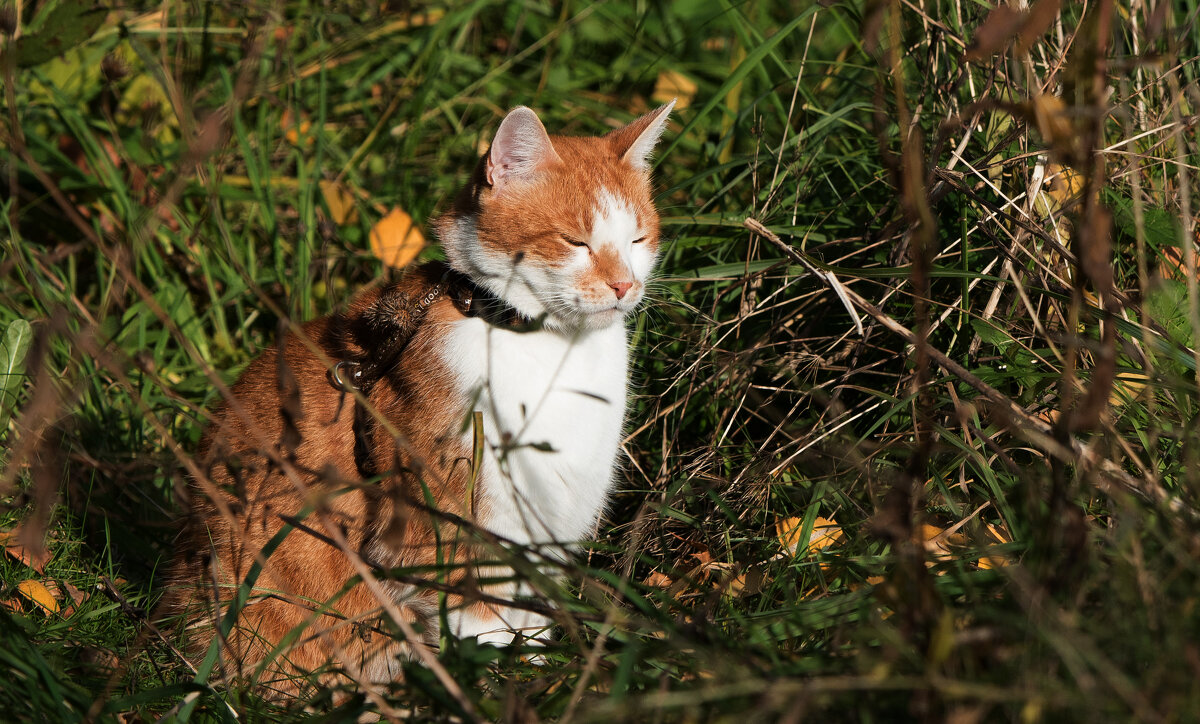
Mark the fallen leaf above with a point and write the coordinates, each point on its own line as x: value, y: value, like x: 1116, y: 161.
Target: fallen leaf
x: 1172, y: 265
x: 746, y: 583
x: 340, y: 203
x: 671, y: 84
x: 1064, y: 184
x: 76, y: 596
x: 998, y: 534
x: 396, y: 240
x: 27, y: 552
x: 940, y: 543
x: 38, y: 594
x: 1127, y: 388
x: 825, y: 533
x: 659, y: 580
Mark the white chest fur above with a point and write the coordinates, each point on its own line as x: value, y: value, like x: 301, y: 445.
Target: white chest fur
x: 553, y: 408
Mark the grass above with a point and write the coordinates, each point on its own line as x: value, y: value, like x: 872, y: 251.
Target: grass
x: 1019, y: 527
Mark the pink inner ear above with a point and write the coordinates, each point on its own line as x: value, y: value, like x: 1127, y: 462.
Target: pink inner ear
x: 521, y: 147
x: 635, y: 142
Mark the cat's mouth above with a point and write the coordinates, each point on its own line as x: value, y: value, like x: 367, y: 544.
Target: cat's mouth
x: 590, y: 317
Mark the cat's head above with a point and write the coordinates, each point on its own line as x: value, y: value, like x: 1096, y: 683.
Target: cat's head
x: 560, y: 226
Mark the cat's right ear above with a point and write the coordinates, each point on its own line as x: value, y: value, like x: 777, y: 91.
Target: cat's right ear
x: 521, y: 147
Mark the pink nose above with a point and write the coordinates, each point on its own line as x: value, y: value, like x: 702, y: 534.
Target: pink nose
x: 620, y: 288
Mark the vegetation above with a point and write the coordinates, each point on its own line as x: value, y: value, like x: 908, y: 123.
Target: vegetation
x: 916, y: 397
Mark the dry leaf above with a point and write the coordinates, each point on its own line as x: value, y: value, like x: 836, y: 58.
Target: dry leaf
x: 991, y: 562
x: 1127, y: 388
x: 746, y: 583
x: 999, y: 535
x: 29, y: 554
x: 74, y: 594
x: 825, y: 533
x: 1053, y: 121
x: 1172, y: 265
x: 939, y: 543
x: 340, y: 203
x: 659, y: 580
x: 672, y: 84
x: 1065, y: 184
x: 396, y: 240
x: 37, y: 593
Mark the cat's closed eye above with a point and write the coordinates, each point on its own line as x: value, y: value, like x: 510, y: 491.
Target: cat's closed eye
x: 572, y: 241
x: 639, y: 240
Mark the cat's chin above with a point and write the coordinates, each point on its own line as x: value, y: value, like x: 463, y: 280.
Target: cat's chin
x: 605, y: 319
x: 584, y: 321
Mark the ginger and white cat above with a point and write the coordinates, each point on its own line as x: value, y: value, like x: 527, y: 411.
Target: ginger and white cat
x: 555, y: 238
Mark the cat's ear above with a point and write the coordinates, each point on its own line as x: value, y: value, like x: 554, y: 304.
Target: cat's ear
x: 634, y: 143
x: 521, y: 147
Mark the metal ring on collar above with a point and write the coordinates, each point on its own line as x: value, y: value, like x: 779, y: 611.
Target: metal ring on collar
x: 336, y: 376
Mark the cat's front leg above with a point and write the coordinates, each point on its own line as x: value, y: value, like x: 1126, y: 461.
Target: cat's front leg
x: 500, y: 625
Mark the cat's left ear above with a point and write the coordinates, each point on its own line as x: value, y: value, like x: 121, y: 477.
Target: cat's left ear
x: 635, y: 142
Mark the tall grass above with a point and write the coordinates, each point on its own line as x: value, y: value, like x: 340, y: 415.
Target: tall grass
x: 929, y: 285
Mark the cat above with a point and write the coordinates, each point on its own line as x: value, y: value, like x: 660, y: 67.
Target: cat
x: 495, y: 416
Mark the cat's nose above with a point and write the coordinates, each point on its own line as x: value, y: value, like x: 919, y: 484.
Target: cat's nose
x: 620, y: 288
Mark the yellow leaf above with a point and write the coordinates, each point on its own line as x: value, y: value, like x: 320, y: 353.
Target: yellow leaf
x: 1054, y: 121
x: 295, y: 129
x: 38, y: 594
x: 825, y: 533
x: 939, y: 542
x: 673, y: 84
x: 396, y: 240
x: 1065, y: 185
x: 999, y: 535
x: 1127, y: 388
x: 340, y: 203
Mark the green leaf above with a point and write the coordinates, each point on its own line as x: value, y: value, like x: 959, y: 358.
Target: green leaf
x: 990, y: 334
x: 1167, y: 303
x: 64, y: 27
x: 12, y: 366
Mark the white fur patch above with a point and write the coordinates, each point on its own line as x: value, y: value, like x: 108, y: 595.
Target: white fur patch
x: 553, y: 406
x: 614, y: 223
